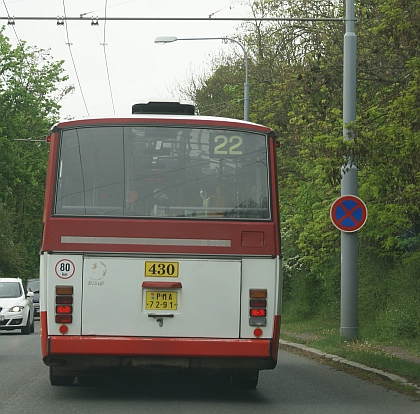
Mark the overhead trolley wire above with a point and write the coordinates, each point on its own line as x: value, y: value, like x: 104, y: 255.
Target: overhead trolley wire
x: 72, y: 58
x: 106, y: 60
x: 196, y: 19
x: 11, y: 22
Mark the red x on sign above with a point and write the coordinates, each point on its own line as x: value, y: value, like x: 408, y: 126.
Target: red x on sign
x: 348, y: 213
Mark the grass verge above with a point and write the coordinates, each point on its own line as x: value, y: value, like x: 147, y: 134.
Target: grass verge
x: 400, y: 357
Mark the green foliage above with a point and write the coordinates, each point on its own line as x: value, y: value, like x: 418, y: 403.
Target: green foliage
x: 296, y: 75
x: 12, y: 255
x: 29, y: 105
x: 400, y: 317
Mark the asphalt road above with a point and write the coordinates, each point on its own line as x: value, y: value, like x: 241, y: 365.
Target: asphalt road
x: 297, y: 385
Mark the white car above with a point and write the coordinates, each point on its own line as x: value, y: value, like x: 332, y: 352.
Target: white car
x: 16, y: 307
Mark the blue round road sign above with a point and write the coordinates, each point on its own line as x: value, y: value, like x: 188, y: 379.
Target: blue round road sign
x: 348, y: 213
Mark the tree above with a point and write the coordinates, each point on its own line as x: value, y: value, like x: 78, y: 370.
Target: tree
x: 30, y: 91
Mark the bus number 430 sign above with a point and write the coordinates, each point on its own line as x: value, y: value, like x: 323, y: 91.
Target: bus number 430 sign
x: 348, y: 213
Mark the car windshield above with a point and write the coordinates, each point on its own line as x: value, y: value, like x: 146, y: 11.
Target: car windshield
x: 10, y: 290
x: 33, y: 286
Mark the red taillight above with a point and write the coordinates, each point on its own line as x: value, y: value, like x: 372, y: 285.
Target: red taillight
x: 63, y: 319
x: 63, y: 306
x: 64, y: 300
x: 257, y: 312
x: 258, y: 303
x: 64, y: 309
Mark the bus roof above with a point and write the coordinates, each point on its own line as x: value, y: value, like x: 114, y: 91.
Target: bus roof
x: 152, y: 119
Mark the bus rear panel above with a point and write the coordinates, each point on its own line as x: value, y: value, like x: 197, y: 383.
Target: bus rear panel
x: 160, y: 248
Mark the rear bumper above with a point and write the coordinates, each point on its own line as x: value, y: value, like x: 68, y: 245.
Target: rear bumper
x: 75, y: 354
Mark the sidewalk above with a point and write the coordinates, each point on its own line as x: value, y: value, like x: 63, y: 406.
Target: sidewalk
x: 334, y: 358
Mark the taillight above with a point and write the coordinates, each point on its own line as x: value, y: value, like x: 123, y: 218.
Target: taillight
x: 64, y: 300
x: 258, y: 312
x: 258, y: 307
x: 64, y: 309
x: 63, y: 318
x: 63, y: 305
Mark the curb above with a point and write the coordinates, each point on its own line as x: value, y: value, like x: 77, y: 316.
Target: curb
x: 384, y: 375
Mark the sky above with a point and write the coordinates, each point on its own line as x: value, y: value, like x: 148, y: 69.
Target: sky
x: 134, y: 68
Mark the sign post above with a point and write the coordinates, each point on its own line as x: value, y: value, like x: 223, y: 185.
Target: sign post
x: 349, y: 185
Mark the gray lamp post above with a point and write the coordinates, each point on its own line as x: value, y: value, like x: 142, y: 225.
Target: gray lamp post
x: 170, y: 39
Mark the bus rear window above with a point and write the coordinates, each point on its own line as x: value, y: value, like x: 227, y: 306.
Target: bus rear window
x: 144, y: 171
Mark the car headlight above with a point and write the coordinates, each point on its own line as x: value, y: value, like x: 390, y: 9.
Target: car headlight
x: 16, y: 309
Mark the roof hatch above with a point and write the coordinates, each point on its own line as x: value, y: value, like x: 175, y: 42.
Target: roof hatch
x: 164, y: 108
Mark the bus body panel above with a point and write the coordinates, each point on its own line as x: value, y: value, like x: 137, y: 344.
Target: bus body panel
x: 212, y: 299
x: 207, y: 301
x: 259, y: 274
x: 56, y: 277
x: 148, y: 235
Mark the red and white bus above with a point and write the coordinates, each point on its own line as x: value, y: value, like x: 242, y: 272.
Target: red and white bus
x: 160, y: 246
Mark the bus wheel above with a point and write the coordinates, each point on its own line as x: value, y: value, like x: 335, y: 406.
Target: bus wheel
x: 247, y: 380
x: 89, y: 381
x: 60, y: 379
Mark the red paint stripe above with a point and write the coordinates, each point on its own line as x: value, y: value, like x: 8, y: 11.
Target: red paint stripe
x: 276, y: 336
x: 162, y: 285
x: 166, y: 347
x: 44, y: 332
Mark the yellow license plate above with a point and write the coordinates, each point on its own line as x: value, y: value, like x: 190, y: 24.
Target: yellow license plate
x: 161, y: 300
x: 161, y: 269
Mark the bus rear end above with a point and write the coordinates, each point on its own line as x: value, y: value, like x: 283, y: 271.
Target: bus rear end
x: 160, y: 248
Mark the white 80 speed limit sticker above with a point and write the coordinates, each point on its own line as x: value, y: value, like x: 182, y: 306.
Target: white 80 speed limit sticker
x: 65, y: 269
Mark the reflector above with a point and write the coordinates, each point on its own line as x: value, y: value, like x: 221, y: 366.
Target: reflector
x: 258, y: 332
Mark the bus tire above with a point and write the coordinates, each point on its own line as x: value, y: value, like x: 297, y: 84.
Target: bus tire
x: 89, y: 381
x: 247, y: 380
x: 60, y: 380
x: 32, y: 327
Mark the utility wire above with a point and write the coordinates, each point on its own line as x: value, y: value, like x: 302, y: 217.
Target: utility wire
x: 195, y: 19
x: 115, y: 5
x: 106, y: 60
x: 11, y: 22
x: 224, y: 7
x: 72, y: 58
